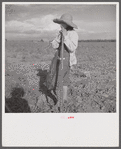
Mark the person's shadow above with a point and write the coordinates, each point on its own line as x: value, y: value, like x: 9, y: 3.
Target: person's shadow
x: 42, y: 85
x: 17, y: 104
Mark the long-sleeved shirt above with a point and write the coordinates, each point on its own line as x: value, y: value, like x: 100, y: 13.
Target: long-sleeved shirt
x: 71, y: 41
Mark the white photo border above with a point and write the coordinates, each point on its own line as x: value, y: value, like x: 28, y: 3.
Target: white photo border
x: 48, y: 129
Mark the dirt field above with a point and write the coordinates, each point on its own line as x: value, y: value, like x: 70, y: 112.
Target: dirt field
x: 93, y: 80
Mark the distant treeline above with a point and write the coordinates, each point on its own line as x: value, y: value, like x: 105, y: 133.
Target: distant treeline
x: 42, y: 40
x: 98, y: 40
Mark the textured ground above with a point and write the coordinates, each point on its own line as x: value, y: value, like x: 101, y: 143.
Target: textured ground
x: 93, y: 80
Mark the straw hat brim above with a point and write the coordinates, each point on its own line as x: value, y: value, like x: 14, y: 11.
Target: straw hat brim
x: 59, y: 21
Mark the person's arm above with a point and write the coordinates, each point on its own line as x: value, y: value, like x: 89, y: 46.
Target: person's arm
x: 56, y: 41
x: 71, y: 41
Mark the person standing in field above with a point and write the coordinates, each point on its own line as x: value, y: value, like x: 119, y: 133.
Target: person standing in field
x: 69, y: 58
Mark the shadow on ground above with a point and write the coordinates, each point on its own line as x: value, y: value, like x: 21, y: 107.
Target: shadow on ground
x: 42, y: 85
x: 17, y: 104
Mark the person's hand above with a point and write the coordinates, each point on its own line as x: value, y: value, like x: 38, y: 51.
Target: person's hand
x: 64, y: 31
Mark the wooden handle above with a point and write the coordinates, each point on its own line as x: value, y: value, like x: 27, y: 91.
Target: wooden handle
x: 61, y: 83
x: 62, y: 45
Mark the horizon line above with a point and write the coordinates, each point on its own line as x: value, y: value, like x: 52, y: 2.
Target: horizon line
x: 42, y: 40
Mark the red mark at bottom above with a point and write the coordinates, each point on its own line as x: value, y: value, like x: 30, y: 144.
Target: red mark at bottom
x: 70, y: 117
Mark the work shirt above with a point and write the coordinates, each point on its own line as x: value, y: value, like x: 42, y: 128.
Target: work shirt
x: 71, y: 41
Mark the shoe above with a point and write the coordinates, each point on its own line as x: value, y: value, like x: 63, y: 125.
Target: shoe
x: 65, y: 104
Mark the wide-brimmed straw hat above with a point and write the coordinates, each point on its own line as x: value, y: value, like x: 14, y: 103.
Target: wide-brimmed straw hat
x: 67, y: 19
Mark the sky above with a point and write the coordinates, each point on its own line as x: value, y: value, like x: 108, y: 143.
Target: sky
x: 35, y: 21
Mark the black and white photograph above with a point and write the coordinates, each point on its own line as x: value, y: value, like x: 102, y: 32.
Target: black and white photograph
x: 60, y: 58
